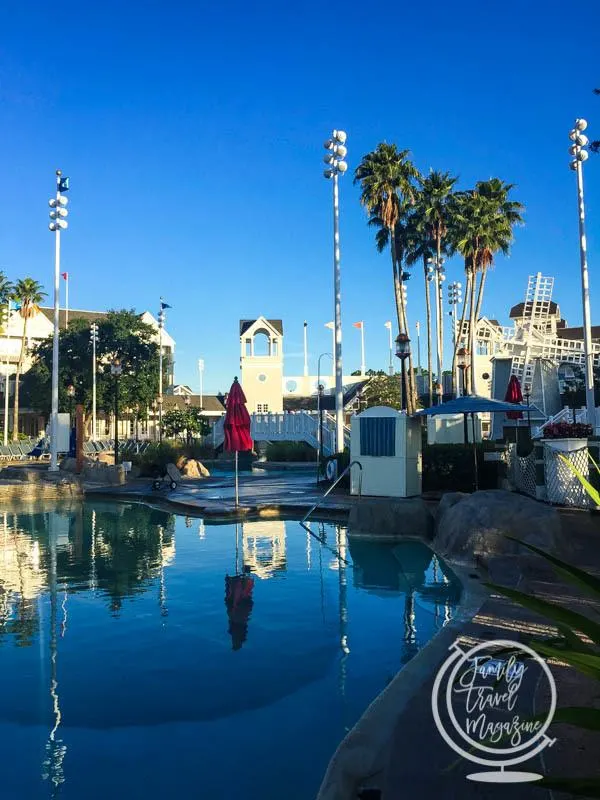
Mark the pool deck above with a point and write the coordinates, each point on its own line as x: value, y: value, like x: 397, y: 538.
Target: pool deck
x: 266, y: 494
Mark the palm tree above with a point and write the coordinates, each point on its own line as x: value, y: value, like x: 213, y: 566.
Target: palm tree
x: 28, y: 294
x: 386, y: 176
x: 497, y: 192
x: 431, y: 217
x: 481, y: 223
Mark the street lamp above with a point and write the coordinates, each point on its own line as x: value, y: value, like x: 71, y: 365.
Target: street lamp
x: 154, y: 410
x: 580, y: 155
x: 454, y: 299
x: 527, y: 394
x: 71, y: 394
x: 337, y: 151
x: 115, y: 370
x: 403, y: 352
x: 94, y: 341
x: 462, y: 362
x: 58, y: 223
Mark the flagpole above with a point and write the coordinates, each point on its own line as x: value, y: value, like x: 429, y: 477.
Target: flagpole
x: 67, y: 300
x: 363, y: 366
x: 54, y: 414
x: 7, y: 382
x: 388, y: 325
x: 305, y: 349
x: 161, y: 316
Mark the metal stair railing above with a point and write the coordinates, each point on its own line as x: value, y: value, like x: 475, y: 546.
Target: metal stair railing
x: 332, y: 487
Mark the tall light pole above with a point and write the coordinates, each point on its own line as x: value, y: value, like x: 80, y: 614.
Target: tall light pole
x: 403, y: 352
x: 7, y: 378
x: 161, y: 324
x: 337, y: 166
x: 418, y: 327
x: 320, y: 389
x: 57, y: 224
x: 580, y: 155
x: 454, y: 299
x: 115, y: 370
x: 201, y: 371
x: 437, y: 271
x: 94, y: 341
x: 305, y: 348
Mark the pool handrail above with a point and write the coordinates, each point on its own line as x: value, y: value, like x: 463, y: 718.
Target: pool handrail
x: 333, y: 485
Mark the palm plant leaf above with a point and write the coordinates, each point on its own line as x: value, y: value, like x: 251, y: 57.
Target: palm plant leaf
x: 593, y: 493
x: 571, y: 573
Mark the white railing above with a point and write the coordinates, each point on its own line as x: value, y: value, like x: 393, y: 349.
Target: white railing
x: 300, y: 427
x: 567, y: 414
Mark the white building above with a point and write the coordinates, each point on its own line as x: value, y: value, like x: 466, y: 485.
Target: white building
x: 40, y: 327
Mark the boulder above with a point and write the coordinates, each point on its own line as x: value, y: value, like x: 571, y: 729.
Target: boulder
x: 107, y: 474
x: 203, y: 470
x: 390, y: 519
x: 473, y: 528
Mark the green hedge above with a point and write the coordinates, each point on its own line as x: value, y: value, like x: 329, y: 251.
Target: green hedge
x: 156, y: 457
x: 290, y: 451
x: 450, y: 467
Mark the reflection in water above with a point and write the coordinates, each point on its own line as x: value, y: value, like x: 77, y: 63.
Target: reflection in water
x: 302, y: 622
x: 264, y: 547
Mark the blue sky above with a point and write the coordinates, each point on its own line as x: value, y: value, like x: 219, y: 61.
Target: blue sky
x: 192, y: 133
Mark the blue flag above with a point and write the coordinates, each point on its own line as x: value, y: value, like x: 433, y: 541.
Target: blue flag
x: 164, y: 305
x: 63, y: 185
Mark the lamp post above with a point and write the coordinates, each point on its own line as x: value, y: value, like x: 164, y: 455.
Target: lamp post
x: 187, y: 401
x: 577, y: 150
x: 462, y: 362
x: 161, y: 324
x: 115, y: 370
x: 337, y: 166
x: 94, y: 341
x: 154, y: 410
x: 57, y: 224
x: 71, y: 395
x: 527, y: 394
x: 454, y: 299
x: 403, y: 352
x: 201, y: 371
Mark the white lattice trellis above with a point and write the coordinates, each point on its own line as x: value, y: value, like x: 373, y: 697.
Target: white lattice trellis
x: 562, y: 485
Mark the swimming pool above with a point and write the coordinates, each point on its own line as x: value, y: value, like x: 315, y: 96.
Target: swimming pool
x: 146, y: 654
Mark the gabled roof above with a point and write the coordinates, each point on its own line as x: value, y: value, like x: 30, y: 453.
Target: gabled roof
x: 210, y: 402
x: 277, y: 324
x: 577, y: 333
x: 517, y: 311
x: 327, y: 402
x: 89, y: 316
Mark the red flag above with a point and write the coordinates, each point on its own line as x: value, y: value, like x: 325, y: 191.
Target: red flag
x: 357, y: 324
x: 65, y: 276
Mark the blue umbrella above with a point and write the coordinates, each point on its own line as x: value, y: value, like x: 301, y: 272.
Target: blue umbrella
x: 471, y: 404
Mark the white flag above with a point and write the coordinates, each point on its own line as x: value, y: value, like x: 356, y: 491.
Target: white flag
x: 330, y: 325
x: 388, y: 325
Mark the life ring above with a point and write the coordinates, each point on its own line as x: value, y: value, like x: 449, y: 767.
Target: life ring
x: 331, y: 470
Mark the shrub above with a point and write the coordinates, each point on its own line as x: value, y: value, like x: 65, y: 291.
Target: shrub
x: 449, y: 467
x: 156, y: 457
x: 290, y: 451
x: 567, y: 430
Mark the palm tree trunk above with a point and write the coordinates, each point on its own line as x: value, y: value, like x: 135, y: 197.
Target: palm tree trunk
x: 480, y: 292
x: 429, y: 342
x: 472, y: 324
x: 461, y: 324
x: 15, y: 431
x: 440, y: 331
x: 402, y: 322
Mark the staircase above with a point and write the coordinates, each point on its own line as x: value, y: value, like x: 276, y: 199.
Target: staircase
x: 300, y: 427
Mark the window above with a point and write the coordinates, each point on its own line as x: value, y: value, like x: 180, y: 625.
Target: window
x: 291, y: 386
x: 262, y: 408
x: 378, y: 436
x: 262, y: 377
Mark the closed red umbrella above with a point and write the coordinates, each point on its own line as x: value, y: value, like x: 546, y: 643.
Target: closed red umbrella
x: 514, y: 395
x: 236, y: 426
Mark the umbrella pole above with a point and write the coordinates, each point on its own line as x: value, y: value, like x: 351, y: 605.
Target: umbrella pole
x: 237, y: 549
x: 236, y: 480
x: 475, y: 453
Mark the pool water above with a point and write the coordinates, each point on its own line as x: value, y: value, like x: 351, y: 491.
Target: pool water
x: 149, y: 655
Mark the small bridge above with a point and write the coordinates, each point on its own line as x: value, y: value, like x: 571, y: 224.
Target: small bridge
x: 298, y: 427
